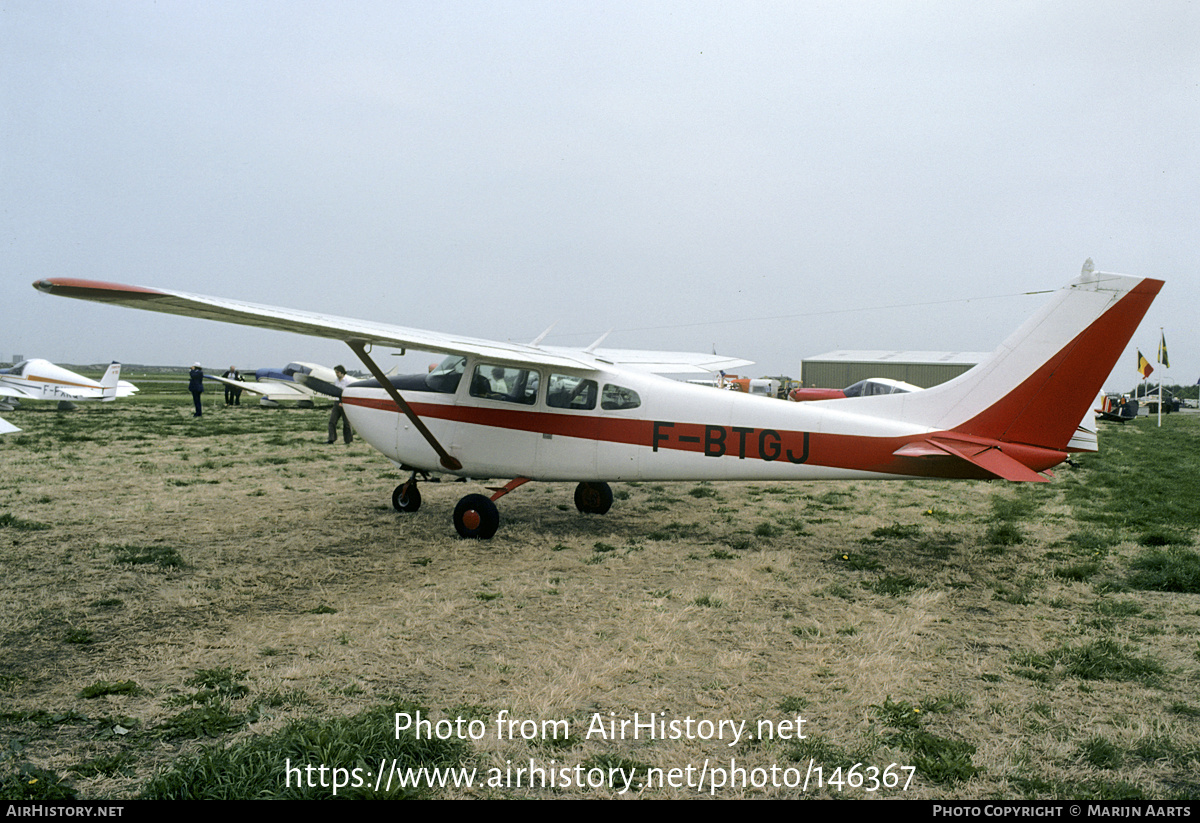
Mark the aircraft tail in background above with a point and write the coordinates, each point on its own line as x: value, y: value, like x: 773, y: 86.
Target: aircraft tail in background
x: 109, y: 383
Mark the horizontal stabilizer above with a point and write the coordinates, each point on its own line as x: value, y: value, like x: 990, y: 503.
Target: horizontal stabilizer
x: 986, y: 456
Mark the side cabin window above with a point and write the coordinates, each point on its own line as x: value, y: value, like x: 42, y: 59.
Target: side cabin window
x: 618, y: 397
x: 492, y: 382
x: 569, y: 392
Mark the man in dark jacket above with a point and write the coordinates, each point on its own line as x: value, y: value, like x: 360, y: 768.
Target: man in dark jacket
x: 196, y: 386
x: 233, y: 395
x: 338, y: 412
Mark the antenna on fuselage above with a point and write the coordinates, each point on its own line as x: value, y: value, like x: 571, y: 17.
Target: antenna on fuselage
x: 537, y: 340
x: 599, y: 340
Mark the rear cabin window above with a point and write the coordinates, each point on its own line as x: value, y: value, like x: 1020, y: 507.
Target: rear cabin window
x: 504, y: 383
x: 618, y: 397
x: 569, y: 392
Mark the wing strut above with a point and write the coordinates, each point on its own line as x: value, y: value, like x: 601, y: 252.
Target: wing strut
x: 448, y: 460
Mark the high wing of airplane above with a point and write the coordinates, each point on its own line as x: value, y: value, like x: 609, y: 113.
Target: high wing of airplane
x: 528, y: 412
x: 38, y: 379
x: 299, y: 382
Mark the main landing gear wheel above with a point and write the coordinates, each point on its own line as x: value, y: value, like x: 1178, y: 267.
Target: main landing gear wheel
x: 406, y: 497
x: 476, y: 517
x: 593, y: 498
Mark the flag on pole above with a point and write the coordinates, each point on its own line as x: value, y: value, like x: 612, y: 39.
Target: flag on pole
x: 1144, y: 367
x: 1162, y: 351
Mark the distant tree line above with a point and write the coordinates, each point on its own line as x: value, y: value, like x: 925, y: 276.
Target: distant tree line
x: 1183, y: 392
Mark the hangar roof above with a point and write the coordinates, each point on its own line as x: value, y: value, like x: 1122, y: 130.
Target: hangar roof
x: 916, y: 358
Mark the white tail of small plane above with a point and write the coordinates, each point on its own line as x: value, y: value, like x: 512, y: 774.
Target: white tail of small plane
x: 1034, y: 389
x: 108, y: 383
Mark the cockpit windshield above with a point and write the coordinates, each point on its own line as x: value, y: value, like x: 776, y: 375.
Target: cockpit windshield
x: 445, y: 377
x: 292, y: 369
x: 873, y: 387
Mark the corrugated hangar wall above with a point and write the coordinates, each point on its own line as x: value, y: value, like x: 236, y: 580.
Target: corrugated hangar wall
x: 837, y: 370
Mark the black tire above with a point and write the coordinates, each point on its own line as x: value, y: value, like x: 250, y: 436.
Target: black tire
x: 476, y: 518
x: 593, y: 498
x: 406, y: 500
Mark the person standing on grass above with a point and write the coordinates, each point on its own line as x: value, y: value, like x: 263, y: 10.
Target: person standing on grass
x: 338, y: 412
x: 233, y: 395
x: 196, y: 387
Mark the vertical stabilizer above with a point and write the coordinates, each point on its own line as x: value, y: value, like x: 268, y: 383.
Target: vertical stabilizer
x: 108, y: 383
x: 1043, y: 379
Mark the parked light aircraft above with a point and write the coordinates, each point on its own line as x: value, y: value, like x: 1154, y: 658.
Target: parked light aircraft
x: 533, y: 412
x: 38, y: 379
x: 301, y: 382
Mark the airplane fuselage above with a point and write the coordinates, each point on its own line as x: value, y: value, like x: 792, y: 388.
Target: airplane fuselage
x: 629, y: 425
x: 38, y: 379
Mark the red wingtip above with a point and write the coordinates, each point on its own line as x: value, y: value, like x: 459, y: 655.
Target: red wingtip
x: 77, y: 287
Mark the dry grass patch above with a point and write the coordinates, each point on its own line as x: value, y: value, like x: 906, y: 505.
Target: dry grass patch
x: 252, y: 548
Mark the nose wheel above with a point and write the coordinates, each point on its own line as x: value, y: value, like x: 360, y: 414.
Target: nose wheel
x: 406, y: 497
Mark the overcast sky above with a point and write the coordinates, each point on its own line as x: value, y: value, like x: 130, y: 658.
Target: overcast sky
x: 773, y: 179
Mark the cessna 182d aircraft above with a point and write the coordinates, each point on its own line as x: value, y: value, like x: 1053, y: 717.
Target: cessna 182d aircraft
x: 38, y: 379
x: 533, y: 412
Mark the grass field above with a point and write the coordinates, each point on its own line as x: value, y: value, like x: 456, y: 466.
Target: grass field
x: 192, y: 603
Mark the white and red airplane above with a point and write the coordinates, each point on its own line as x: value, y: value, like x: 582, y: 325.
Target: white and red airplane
x: 533, y: 412
x: 38, y: 379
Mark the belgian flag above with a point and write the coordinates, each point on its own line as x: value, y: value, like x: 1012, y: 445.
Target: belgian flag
x: 1144, y: 367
